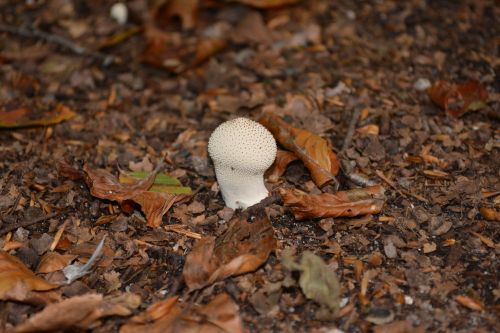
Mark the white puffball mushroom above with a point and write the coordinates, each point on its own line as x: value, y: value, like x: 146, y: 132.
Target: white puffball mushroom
x: 119, y: 12
x: 242, y: 150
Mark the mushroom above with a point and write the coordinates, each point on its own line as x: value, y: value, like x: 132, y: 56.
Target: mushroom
x: 242, y: 150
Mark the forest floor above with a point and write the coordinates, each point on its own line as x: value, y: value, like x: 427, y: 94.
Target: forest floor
x: 353, y: 73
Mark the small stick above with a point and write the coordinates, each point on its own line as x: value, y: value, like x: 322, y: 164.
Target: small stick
x: 350, y: 131
x: 59, y: 40
x: 26, y: 223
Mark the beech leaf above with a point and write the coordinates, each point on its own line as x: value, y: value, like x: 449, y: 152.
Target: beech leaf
x: 242, y: 248
x: 360, y: 201
x: 312, y: 149
x: 455, y: 99
x: 24, y: 117
x: 14, y: 275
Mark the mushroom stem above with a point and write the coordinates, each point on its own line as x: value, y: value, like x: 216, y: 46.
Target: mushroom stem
x: 240, y: 190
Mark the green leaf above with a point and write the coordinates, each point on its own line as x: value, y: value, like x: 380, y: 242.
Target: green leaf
x: 163, y: 183
x: 170, y: 189
x: 161, y: 178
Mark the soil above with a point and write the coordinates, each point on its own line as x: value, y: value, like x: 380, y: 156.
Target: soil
x: 428, y: 262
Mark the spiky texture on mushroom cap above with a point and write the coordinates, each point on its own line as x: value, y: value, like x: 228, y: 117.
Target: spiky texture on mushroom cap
x: 244, y: 145
x: 242, y: 150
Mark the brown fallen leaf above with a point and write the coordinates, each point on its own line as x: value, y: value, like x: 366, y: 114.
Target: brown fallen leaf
x: 24, y: 117
x: 154, y: 205
x: 78, y: 312
x: 242, y: 248
x: 360, y: 201
x: 53, y: 261
x: 266, y: 4
x: 16, y: 280
x: 102, y: 184
x: 469, y: 303
x: 218, y: 316
x: 455, y: 99
x: 490, y: 214
x: 283, y: 158
x: 185, y: 10
x: 312, y: 149
x: 168, y: 51
x: 486, y: 241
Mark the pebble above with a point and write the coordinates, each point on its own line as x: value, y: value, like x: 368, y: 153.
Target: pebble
x: 422, y: 84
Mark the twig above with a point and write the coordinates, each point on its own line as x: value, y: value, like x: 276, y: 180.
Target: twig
x: 26, y: 223
x: 350, y: 131
x: 59, y: 40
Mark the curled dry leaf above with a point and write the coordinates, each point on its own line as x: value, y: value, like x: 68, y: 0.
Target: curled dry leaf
x: 24, y: 117
x: 154, y: 205
x: 360, y: 201
x: 53, y: 261
x: 283, y: 158
x: 312, y: 149
x: 78, y: 312
x: 458, y: 99
x: 218, y: 316
x: 16, y: 280
x: 241, y: 249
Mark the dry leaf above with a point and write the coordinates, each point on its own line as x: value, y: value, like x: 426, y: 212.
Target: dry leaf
x: 283, y: 158
x: 312, y: 149
x: 24, y: 117
x: 490, y: 214
x: 53, y: 261
x: 266, y: 4
x: 469, y: 303
x: 170, y: 52
x: 360, y: 201
x: 458, y: 99
x: 78, y: 312
x: 102, y: 184
x: 155, y: 205
x: 17, y: 280
x: 218, y: 316
x: 185, y: 10
x: 136, y: 188
x: 241, y: 249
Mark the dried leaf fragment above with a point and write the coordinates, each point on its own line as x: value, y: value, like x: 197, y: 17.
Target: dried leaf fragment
x: 78, y: 312
x: 312, y: 149
x: 241, y: 249
x: 283, y: 158
x: 218, y: 316
x: 15, y: 275
x: 458, y: 99
x: 24, y: 117
x: 490, y: 214
x: 469, y: 303
x: 360, y: 201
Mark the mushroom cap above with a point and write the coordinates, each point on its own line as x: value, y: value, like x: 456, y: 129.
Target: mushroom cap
x: 244, y: 145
